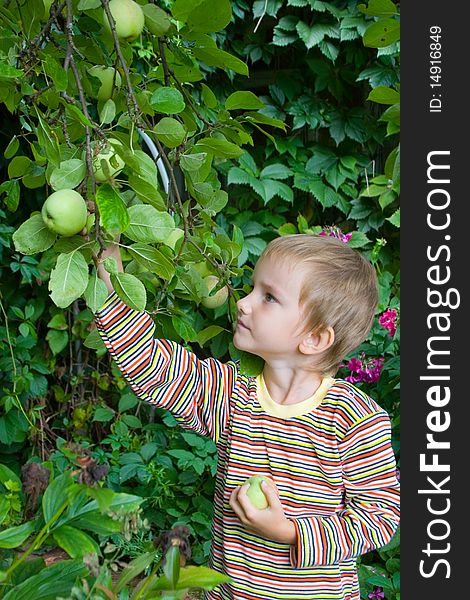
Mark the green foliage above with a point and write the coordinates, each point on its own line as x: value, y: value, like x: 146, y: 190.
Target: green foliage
x: 307, y: 142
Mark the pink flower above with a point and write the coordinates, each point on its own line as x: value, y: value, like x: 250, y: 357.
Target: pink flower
x: 364, y: 369
x: 388, y: 320
x: 333, y: 231
x: 377, y: 594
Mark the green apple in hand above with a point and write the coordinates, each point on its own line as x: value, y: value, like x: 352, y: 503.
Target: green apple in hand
x: 65, y: 212
x: 255, y: 493
x: 114, y: 163
x: 129, y: 18
x: 216, y: 299
x: 109, y: 78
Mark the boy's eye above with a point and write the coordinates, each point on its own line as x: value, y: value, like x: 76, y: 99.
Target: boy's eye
x: 270, y: 298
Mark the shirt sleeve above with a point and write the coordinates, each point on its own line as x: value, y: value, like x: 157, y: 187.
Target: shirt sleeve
x: 370, y: 514
x: 165, y: 374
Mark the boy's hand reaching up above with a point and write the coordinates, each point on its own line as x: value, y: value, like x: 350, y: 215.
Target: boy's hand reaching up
x: 270, y: 522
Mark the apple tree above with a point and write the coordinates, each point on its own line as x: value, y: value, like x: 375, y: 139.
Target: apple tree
x: 112, y: 108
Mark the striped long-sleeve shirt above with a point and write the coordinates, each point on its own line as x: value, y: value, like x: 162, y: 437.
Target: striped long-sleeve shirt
x: 329, y: 455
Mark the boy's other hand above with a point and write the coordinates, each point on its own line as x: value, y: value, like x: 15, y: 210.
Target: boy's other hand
x: 270, y: 522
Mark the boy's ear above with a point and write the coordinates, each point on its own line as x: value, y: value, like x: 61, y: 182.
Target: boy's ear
x: 316, y: 343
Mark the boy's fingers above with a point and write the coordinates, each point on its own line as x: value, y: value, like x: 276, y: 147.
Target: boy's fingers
x: 271, y: 492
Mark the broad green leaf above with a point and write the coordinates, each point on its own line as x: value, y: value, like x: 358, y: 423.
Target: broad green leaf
x: 384, y: 95
x: 265, y: 120
x: 382, y: 33
x: 219, y: 58
x: 167, y: 100
x: 157, y: 20
x: 108, y: 112
x: 220, y: 148
x: 57, y: 340
x: 153, y: 260
x: 243, y: 100
x: 192, y: 162
x: 15, y: 536
x: 147, y: 192
x: 201, y: 15
x: 208, y: 96
x: 55, y: 496
x: 103, y: 414
x: 130, y: 290
x: 19, y: 166
x: 171, y: 565
x: 7, y: 474
x: 134, y: 568
x: 11, y: 189
x: 7, y: 72
x: 56, y: 72
x: 69, y: 278
x: 395, y: 218
x: 113, y: 211
x: 170, y: 132
x: 144, y: 165
x: 33, y: 236
x: 147, y: 224
x: 200, y: 577
x: 378, y: 8
x: 96, y: 292
x: 68, y: 175
x: 75, y: 542
x: 276, y: 171
x: 51, y: 583
x: 250, y: 364
x: 12, y: 148
x: 93, y: 340
x: 88, y: 4
x: 208, y: 333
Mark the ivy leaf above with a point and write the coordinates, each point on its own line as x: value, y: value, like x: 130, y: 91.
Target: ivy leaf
x: 113, y: 211
x: 276, y: 171
x: 130, y: 290
x: 384, y: 95
x: 33, y: 236
x: 395, y: 218
x: 68, y: 175
x: 147, y: 224
x: 69, y: 278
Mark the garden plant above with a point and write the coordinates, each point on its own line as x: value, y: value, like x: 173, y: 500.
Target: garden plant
x: 191, y: 133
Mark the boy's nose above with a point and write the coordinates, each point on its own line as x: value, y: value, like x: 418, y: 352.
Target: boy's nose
x: 243, y: 305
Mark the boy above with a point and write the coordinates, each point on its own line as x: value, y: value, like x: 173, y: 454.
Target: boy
x: 324, y: 443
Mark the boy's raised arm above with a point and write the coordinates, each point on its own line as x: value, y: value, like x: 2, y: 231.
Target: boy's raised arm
x: 111, y: 251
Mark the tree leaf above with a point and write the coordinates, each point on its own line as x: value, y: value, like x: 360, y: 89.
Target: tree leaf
x: 57, y: 340
x: 384, y: 95
x: 69, y: 175
x: 75, y: 542
x: 153, y: 260
x: 130, y: 290
x: 167, y: 100
x: 243, y: 100
x: 19, y: 166
x: 382, y: 33
x: 147, y: 224
x: 170, y: 132
x: 11, y: 188
x: 108, y: 112
x: 157, y: 20
x: 33, y: 236
x: 96, y: 292
x: 69, y: 278
x: 113, y: 211
x: 220, y: 148
x: 378, y: 8
x: 200, y: 15
x: 208, y: 96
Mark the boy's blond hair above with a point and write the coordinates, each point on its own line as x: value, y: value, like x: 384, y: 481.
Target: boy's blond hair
x: 339, y: 291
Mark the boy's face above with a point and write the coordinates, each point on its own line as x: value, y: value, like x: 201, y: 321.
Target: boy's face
x: 269, y: 317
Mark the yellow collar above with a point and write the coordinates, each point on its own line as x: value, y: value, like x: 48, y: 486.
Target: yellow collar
x: 284, y: 411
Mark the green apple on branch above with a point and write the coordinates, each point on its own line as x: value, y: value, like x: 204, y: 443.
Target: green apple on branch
x: 109, y: 77
x: 113, y: 163
x: 217, y: 299
x: 65, y: 212
x: 129, y: 19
